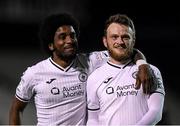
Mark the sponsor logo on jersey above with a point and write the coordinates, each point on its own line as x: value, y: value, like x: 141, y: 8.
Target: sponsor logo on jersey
x: 50, y: 81
x: 73, y: 91
x: 134, y: 75
x: 126, y: 90
x: 123, y: 90
x: 83, y: 76
x: 55, y: 91
x: 110, y: 90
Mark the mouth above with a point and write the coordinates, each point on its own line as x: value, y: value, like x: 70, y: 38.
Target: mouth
x: 120, y: 46
x: 69, y: 48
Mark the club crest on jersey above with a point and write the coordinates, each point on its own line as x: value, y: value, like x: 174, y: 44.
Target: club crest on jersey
x: 134, y: 75
x: 83, y: 76
x: 55, y: 91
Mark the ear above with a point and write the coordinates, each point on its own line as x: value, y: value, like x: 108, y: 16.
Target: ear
x: 51, y: 46
x: 105, y: 41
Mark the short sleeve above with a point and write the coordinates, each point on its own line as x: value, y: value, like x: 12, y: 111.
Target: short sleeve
x: 24, y: 90
x: 159, y: 81
x: 92, y: 98
x: 98, y: 58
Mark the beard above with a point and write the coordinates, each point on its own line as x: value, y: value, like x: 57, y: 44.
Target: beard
x: 66, y: 54
x: 121, y: 53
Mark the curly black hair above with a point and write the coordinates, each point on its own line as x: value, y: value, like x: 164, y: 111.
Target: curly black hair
x: 51, y: 23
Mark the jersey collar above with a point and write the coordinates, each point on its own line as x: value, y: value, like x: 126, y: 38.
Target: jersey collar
x: 119, y: 66
x: 61, y: 68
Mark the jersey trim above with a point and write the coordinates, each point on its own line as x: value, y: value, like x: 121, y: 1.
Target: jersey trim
x: 93, y: 109
x: 69, y: 66
x: 157, y: 92
x: 56, y: 65
x: 113, y: 65
x: 21, y: 99
x: 127, y: 64
x: 119, y: 66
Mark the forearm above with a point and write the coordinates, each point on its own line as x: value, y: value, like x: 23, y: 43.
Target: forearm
x: 14, y: 118
x: 16, y: 111
x: 151, y: 118
x: 154, y: 114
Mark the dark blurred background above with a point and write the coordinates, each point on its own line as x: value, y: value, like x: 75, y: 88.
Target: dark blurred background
x: 157, y: 28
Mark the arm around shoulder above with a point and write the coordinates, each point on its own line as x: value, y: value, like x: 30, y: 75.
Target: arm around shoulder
x: 155, y: 102
x: 138, y: 55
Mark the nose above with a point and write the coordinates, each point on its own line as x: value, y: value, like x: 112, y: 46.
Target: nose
x: 120, y: 40
x: 69, y: 39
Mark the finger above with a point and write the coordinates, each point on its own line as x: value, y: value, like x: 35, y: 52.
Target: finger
x: 138, y: 83
x: 144, y: 85
x: 149, y: 82
x: 149, y: 85
x: 154, y: 84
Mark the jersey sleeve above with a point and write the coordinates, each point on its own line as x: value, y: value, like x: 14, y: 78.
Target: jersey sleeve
x: 97, y: 59
x: 92, y: 98
x: 155, y: 109
x: 24, y: 90
x: 160, y: 87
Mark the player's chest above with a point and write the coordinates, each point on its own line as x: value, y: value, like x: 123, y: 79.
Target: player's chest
x: 118, y: 86
x: 60, y: 86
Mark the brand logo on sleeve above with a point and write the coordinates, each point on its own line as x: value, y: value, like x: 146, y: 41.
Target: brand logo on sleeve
x: 107, y: 80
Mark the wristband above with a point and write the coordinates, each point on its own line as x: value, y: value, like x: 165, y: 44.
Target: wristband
x: 141, y: 62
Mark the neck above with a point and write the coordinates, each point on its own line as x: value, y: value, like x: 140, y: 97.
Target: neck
x: 62, y: 62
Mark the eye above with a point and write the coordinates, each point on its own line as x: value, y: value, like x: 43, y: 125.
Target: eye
x: 114, y: 37
x: 125, y: 38
x: 72, y: 35
x: 62, y: 36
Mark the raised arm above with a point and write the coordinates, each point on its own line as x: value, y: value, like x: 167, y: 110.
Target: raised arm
x: 145, y: 75
x: 16, y: 111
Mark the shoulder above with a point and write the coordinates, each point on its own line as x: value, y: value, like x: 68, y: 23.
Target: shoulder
x: 94, y: 80
x: 155, y: 69
x: 159, y: 80
x: 98, y: 55
x: 98, y: 74
x: 93, y: 60
x: 32, y: 70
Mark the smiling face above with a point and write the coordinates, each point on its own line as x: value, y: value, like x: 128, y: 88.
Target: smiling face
x: 65, y: 43
x: 119, y: 42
